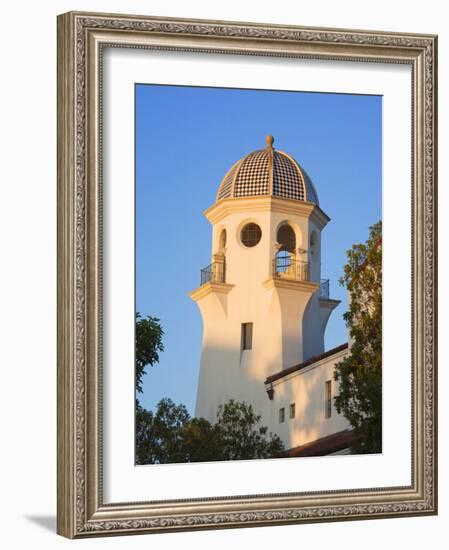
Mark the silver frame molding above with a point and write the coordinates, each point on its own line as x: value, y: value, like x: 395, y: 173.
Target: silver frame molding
x: 81, y: 38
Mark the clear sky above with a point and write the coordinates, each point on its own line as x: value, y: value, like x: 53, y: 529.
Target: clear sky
x: 186, y: 140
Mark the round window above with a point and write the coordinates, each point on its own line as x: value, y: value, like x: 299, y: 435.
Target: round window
x: 251, y: 234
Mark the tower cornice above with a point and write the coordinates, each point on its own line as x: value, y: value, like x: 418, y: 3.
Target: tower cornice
x: 224, y: 207
x: 208, y: 288
x: 329, y: 303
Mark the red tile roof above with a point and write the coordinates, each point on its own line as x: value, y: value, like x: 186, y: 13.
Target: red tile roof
x: 325, y: 445
x: 304, y: 364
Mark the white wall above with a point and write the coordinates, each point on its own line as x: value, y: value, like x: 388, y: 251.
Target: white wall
x: 306, y: 389
x: 278, y: 315
x: 28, y: 273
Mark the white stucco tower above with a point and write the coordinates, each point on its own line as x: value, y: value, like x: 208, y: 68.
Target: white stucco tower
x: 263, y: 303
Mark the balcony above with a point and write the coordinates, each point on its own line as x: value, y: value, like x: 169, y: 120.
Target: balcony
x: 213, y: 281
x: 296, y: 270
x: 287, y: 268
x: 283, y: 267
x: 213, y: 273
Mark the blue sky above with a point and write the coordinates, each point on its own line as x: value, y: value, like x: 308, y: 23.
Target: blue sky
x: 186, y: 140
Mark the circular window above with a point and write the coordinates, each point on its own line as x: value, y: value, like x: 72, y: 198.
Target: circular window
x: 251, y: 234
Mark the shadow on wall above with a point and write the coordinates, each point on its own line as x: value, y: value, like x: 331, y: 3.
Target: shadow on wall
x: 229, y: 377
x: 309, y: 423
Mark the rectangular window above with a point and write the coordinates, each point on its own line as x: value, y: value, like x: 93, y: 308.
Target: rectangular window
x: 291, y: 410
x: 281, y: 415
x: 328, y: 397
x: 247, y: 336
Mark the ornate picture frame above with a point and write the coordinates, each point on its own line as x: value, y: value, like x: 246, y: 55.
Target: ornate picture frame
x: 82, y: 38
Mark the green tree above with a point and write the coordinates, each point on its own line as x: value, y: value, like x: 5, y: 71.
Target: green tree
x: 170, y: 435
x: 145, y: 436
x: 242, y: 437
x: 148, y: 345
x: 201, y: 441
x: 360, y: 373
x: 159, y: 434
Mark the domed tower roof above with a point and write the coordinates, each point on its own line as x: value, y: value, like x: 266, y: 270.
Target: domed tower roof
x: 268, y: 172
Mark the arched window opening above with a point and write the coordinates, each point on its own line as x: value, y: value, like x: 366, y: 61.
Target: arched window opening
x: 313, y: 244
x: 285, y: 255
x: 222, y: 241
x: 286, y: 238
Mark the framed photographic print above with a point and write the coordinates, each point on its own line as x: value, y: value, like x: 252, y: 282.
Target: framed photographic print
x: 246, y: 276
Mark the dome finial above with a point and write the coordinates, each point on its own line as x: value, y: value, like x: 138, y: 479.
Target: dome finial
x: 269, y: 140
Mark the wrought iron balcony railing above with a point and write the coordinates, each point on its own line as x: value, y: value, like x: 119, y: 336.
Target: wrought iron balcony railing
x: 287, y: 268
x: 214, y: 273
x: 324, y: 289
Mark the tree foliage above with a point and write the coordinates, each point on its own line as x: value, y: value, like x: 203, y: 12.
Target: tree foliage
x: 148, y: 345
x: 360, y: 373
x: 158, y: 434
x: 241, y: 436
x: 170, y: 435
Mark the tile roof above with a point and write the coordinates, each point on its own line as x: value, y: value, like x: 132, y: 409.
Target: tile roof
x: 268, y: 172
x: 306, y: 363
x: 325, y: 446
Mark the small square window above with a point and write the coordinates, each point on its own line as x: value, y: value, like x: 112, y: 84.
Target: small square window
x: 247, y: 336
x: 292, y: 411
x: 281, y: 415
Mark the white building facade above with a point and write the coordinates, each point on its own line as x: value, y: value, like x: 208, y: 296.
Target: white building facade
x: 265, y: 307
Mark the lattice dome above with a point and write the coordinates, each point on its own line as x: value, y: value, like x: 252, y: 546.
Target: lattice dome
x: 268, y: 172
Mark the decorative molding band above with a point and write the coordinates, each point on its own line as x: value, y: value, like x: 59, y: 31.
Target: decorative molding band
x: 225, y: 207
x: 208, y: 288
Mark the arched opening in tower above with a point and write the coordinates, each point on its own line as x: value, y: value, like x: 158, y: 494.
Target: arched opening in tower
x: 286, y: 253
